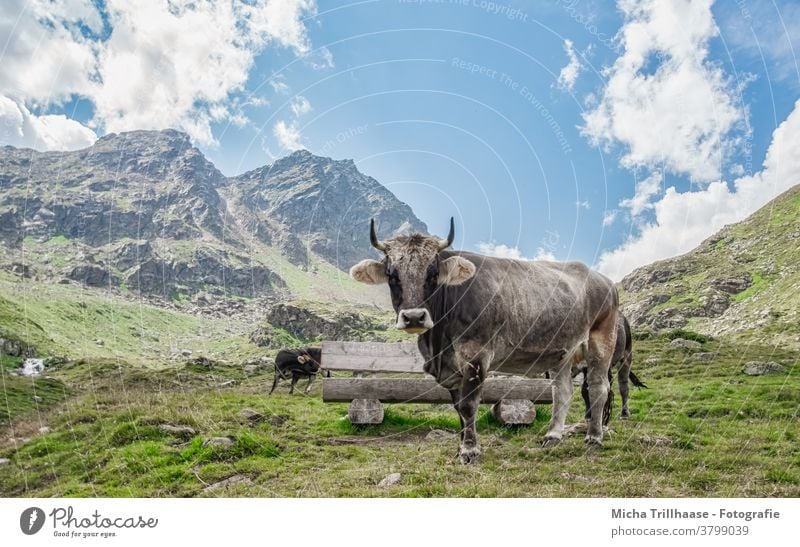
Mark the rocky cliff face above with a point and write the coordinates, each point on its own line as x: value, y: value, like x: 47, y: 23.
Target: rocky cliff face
x: 145, y: 211
x: 325, y: 205
x: 744, y: 279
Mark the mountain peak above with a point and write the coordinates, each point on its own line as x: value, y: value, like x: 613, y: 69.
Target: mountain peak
x: 152, y: 135
x: 327, y: 203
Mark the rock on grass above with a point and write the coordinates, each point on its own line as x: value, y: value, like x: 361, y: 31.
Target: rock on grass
x: 390, y: 480
x: 178, y: 430
x: 219, y: 442
x: 682, y: 343
x: 760, y: 368
x: 225, y: 483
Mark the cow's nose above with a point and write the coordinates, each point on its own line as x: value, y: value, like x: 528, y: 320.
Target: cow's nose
x: 417, y: 319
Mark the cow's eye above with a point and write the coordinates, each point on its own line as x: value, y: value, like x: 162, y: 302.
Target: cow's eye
x: 432, y: 274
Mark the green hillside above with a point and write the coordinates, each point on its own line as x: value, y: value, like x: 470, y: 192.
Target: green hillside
x: 744, y: 281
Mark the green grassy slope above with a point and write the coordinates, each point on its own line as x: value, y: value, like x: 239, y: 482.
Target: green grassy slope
x: 702, y: 429
x: 763, y: 247
x: 69, y: 321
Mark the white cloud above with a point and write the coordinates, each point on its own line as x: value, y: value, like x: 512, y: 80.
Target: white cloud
x: 609, y: 217
x: 645, y: 190
x: 177, y: 65
x: 279, y: 85
x: 288, y: 135
x: 684, y: 219
x: 282, y: 21
x: 502, y: 250
x: 569, y: 73
x: 45, y: 57
x: 152, y: 64
x: 300, y: 105
x: 20, y: 128
x: 583, y: 204
x: 665, y: 102
x: 544, y: 254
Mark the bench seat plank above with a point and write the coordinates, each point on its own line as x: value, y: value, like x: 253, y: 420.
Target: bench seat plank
x: 372, y: 356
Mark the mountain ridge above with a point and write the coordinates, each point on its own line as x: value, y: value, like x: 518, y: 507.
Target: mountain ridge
x: 147, y: 211
x: 742, y: 281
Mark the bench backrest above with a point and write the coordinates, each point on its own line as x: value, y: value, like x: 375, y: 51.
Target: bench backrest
x: 372, y: 356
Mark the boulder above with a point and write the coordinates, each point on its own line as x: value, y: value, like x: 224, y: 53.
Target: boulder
x: 251, y: 416
x: 704, y: 356
x: 760, y: 368
x: 682, y: 343
x: 733, y: 285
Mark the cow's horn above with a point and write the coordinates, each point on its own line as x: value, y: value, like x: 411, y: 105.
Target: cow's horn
x: 445, y: 243
x: 373, y: 238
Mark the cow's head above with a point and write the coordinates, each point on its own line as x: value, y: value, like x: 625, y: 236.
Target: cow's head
x: 414, y: 269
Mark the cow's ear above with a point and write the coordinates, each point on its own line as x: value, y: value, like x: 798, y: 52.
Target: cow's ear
x: 369, y: 271
x: 455, y: 270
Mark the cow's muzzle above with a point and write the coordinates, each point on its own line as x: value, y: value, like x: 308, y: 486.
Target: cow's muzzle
x: 414, y: 321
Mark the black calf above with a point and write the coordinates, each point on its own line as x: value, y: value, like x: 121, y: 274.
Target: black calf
x: 299, y: 363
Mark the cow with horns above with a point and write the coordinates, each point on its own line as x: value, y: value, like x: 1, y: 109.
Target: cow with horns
x: 477, y: 313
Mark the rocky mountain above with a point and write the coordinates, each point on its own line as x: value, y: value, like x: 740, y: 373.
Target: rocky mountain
x: 743, y: 280
x: 326, y: 204
x: 146, y: 212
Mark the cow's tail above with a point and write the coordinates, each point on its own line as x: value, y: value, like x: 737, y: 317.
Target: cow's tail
x: 628, y: 335
x: 635, y: 380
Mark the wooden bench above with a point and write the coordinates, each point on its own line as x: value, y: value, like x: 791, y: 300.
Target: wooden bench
x: 511, y: 397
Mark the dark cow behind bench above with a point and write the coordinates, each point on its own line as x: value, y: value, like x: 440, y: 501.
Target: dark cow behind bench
x: 622, y: 359
x: 298, y: 363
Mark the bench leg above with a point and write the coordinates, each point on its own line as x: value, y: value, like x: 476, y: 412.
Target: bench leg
x: 514, y: 412
x: 365, y: 411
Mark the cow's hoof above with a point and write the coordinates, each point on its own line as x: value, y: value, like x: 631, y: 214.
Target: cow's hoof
x: 469, y: 455
x: 551, y: 441
x: 625, y: 414
x: 593, y: 441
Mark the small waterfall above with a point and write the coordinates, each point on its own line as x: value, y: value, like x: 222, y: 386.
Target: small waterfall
x: 31, y: 367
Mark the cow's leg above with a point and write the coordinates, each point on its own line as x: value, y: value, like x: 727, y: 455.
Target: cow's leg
x: 585, y: 394
x: 455, y: 395
x: 623, y: 377
x: 310, y: 381
x: 608, y: 407
x: 467, y: 407
x: 295, y: 377
x: 275, y: 381
x: 562, y: 395
x: 600, y: 352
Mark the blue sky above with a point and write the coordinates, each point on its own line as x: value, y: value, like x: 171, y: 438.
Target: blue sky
x: 615, y: 133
